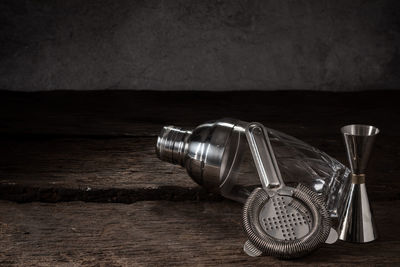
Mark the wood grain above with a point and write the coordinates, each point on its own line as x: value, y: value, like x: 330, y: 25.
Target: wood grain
x: 160, y: 233
x: 133, y: 113
x: 127, y: 170
x: 99, y: 146
x: 86, y: 147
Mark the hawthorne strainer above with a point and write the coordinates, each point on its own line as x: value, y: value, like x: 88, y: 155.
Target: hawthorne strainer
x: 279, y: 220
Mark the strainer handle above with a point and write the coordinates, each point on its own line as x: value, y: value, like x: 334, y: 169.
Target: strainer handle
x: 263, y: 156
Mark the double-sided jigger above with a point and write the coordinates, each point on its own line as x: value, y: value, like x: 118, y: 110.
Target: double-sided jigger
x: 357, y: 223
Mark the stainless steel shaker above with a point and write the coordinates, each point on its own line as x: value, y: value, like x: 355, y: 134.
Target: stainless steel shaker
x: 216, y: 155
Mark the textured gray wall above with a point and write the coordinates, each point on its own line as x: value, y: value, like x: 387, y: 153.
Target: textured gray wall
x: 199, y: 44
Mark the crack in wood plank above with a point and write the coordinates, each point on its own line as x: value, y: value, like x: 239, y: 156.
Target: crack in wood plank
x: 24, y: 194
x: 56, y: 145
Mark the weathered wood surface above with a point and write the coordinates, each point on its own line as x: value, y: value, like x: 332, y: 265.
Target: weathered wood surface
x: 127, y: 170
x: 116, y: 170
x: 128, y: 113
x: 160, y: 233
x: 99, y: 147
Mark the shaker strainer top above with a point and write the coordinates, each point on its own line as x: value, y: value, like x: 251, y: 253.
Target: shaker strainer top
x: 285, y: 218
x: 279, y: 220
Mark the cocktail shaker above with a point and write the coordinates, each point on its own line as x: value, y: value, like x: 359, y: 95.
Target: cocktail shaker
x: 216, y: 155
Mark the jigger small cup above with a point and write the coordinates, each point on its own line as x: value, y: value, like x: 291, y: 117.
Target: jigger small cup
x: 356, y: 222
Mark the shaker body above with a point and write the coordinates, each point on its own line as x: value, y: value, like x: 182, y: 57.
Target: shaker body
x: 217, y: 156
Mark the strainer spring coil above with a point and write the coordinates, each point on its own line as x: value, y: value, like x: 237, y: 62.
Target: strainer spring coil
x: 287, y: 249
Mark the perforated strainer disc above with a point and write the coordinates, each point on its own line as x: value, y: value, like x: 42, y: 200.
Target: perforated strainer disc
x: 284, y: 218
x: 286, y: 225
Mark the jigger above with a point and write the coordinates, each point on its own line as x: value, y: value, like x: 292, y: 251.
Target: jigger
x: 357, y: 222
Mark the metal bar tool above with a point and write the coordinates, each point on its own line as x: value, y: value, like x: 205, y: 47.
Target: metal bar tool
x: 280, y: 221
x: 357, y: 222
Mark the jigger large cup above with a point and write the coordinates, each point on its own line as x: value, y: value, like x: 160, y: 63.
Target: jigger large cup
x: 357, y: 223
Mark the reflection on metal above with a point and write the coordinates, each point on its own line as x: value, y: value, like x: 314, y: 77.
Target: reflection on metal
x: 357, y: 223
x: 280, y: 221
x: 216, y: 155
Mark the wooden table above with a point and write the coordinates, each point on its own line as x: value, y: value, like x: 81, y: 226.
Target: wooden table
x: 80, y: 183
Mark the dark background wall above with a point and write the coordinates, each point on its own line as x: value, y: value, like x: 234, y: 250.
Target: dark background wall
x: 199, y: 44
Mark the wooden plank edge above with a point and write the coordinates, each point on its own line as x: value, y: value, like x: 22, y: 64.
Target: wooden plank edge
x: 25, y: 194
